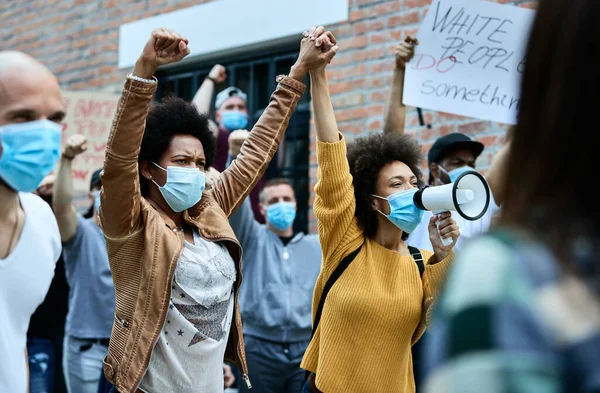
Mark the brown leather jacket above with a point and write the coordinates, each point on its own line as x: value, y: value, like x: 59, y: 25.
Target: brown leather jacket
x: 144, y: 244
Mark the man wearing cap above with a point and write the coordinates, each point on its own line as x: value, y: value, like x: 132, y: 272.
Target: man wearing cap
x: 231, y: 113
x: 91, y: 289
x: 449, y: 157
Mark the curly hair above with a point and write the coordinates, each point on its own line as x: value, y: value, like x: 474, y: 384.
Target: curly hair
x: 366, y: 156
x: 167, y: 118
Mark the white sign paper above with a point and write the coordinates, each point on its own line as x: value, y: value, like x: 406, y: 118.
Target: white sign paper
x: 470, y: 59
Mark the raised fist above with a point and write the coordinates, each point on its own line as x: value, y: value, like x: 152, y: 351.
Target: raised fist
x: 74, y: 146
x: 164, y: 47
x: 218, y: 73
x: 316, y: 54
x: 236, y: 140
x: 405, y: 51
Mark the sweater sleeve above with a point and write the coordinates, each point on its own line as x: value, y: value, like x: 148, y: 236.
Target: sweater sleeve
x: 335, y: 205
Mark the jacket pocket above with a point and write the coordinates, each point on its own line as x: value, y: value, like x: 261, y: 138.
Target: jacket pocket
x: 109, y: 370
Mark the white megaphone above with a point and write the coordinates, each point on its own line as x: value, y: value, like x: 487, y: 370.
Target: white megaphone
x: 469, y: 195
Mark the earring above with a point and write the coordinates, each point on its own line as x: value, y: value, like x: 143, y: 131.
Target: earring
x: 150, y: 176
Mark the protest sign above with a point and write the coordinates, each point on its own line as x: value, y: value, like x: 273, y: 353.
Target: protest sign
x: 470, y: 59
x: 89, y: 114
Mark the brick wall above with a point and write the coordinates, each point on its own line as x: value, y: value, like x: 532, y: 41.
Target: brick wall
x: 78, y: 40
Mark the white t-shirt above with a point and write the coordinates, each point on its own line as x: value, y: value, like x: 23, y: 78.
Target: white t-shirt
x: 420, y: 236
x: 25, y: 276
x: 188, y: 356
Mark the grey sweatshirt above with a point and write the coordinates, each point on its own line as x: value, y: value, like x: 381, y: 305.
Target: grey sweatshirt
x: 278, y: 281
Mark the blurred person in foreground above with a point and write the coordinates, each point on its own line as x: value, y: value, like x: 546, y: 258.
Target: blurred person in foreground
x: 47, y: 326
x: 377, y: 308
x: 91, y: 289
x: 520, y: 311
x: 31, y: 110
x: 175, y: 260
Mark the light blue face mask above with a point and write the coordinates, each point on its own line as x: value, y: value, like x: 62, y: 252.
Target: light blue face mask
x: 403, y: 212
x: 96, y: 195
x: 30, y: 151
x: 183, y: 188
x: 455, y: 173
x: 281, y: 215
x: 235, y: 120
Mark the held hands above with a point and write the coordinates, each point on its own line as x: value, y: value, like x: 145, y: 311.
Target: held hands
x: 447, y: 228
x: 405, y: 51
x: 164, y: 47
x: 236, y: 140
x: 218, y: 74
x: 317, y: 49
x: 74, y: 146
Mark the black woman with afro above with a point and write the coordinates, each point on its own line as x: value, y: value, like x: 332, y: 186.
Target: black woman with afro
x: 377, y: 308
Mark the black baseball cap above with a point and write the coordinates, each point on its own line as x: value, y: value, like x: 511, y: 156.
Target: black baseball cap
x: 451, y: 142
x: 95, y: 181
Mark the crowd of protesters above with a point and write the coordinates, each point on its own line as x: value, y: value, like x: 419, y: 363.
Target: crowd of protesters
x: 143, y: 292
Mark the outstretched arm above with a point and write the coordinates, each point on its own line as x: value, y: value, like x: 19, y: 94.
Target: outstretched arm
x: 395, y: 111
x: 62, y: 201
x: 120, y: 198
x: 203, y: 97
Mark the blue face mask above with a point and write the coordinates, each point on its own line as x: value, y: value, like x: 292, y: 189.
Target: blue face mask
x: 455, y: 173
x: 403, y: 212
x: 235, y: 120
x: 96, y: 195
x: 281, y: 215
x: 183, y: 188
x: 30, y: 151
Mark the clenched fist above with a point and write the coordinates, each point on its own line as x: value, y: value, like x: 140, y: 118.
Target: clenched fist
x: 212, y: 176
x: 405, y: 51
x: 236, y: 140
x: 74, y: 146
x: 164, y: 47
x: 218, y: 74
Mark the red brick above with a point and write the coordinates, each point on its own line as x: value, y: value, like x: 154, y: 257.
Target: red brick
x: 473, y: 127
x: 416, y: 3
x: 387, y: 36
x: 449, y: 116
x: 353, y: 42
x: 367, y: 54
x: 382, y: 66
x: 339, y: 87
x: 368, y: 26
x: 404, y: 19
x: 379, y: 95
x: 530, y: 4
x: 375, y: 125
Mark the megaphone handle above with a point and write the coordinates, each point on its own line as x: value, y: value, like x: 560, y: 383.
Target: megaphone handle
x: 446, y: 241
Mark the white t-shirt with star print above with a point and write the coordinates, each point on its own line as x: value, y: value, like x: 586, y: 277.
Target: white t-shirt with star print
x: 188, y: 356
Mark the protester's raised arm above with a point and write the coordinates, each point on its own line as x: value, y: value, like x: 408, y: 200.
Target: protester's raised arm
x: 120, y: 196
x: 203, y: 97
x: 496, y: 175
x: 62, y: 200
x: 395, y: 111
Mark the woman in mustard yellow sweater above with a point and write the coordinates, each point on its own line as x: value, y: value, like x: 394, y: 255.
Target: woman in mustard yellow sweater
x: 375, y: 311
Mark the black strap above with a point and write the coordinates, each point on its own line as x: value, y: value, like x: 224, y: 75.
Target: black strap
x: 330, y: 281
x: 418, y: 257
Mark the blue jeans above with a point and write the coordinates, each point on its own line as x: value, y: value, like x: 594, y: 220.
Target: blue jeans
x: 82, y: 364
x: 306, y: 388
x: 41, y: 357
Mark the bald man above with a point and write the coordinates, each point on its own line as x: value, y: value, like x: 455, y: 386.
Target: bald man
x: 31, y: 110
